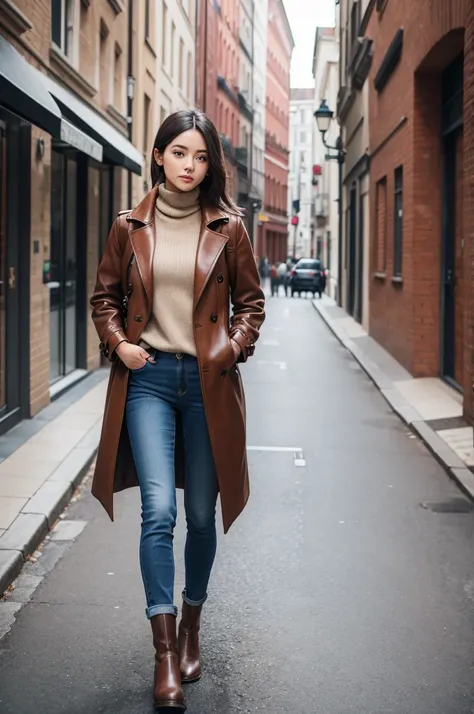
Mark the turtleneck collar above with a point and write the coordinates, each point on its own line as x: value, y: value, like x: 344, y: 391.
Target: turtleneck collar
x: 177, y: 204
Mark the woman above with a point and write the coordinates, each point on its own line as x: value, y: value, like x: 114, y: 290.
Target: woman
x: 175, y: 408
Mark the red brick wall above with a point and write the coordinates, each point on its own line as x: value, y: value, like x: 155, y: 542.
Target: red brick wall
x: 274, y: 234
x: 405, y: 130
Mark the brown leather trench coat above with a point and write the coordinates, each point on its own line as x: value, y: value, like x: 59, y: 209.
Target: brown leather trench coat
x: 225, y: 266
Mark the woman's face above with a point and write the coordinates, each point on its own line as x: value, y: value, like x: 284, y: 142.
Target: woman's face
x: 185, y: 161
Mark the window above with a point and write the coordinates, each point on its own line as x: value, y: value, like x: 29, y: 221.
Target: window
x: 190, y: 76
x: 381, y: 224
x: 162, y: 115
x: 163, y: 35
x: 181, y: 64
x: 147, y: 19
x: 62, y: 25
x: 355, y: 22
x: 118, y: 85
x: 103, y: 64
x: 303, y: 137
x: 173, y: 36
x: 146, y: 122
x: 398, y: 223
x: 303, y: 116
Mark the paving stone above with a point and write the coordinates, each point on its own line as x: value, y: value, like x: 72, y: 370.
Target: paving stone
x: 50, y: 500
x: 10, y: 507
x: 25, y: 533
x: 75, y: 465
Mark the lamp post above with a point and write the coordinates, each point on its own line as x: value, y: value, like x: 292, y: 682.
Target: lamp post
x: 323, y: 117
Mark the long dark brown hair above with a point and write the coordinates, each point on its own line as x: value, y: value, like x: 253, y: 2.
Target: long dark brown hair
x: 214, y: 186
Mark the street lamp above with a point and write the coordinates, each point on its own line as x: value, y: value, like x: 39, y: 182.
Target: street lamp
x: 323, y: 116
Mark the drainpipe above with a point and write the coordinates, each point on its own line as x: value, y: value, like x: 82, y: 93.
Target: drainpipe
x: 204, y: 74
x: 130, y: 93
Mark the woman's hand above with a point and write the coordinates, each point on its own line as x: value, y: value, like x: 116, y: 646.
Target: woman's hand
x: 132, y: 356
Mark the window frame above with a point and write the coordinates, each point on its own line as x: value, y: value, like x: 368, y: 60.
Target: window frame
x: 398, y: 222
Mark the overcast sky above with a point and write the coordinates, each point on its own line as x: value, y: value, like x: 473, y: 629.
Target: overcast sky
x: 305, y: 16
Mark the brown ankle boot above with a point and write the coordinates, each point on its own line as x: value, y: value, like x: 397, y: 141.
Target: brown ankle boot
x: 188, y: 643
x: 168, y: 691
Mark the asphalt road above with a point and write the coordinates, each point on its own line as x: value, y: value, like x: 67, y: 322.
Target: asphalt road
x: 335, y: 592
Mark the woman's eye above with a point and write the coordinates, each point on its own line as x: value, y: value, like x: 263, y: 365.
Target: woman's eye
x: 202, y: 158
x: 178, y: 154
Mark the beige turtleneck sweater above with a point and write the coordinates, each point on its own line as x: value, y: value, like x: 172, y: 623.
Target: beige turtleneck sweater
x: 178, y: 225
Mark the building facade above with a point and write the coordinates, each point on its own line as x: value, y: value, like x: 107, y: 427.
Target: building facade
x: 356, y: 50
x: 300, y: 239
x: 420, y: 96
x: 273, y: 232
x: 64, y: 150
x: 243, y: 152
x: 326, y: 189
x: 259, y: 110
x: 175, y: 31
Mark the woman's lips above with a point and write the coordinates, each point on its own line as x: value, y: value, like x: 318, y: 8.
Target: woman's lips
x: 188, y: 179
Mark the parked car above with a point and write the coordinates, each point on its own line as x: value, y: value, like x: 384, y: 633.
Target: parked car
x: 308, y: 276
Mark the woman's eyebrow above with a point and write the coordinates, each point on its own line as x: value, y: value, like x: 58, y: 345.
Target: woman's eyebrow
x: 180, y: 146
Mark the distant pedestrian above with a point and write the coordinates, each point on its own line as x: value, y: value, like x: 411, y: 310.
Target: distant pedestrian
x: 282, y: 275
x: 274, y: 280
x: 174, y: 414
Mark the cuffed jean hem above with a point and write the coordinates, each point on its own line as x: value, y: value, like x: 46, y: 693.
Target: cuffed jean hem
x: 161, y: 610
x: 194, y: 603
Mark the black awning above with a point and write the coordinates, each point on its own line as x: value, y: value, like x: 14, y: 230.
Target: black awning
x: 117, y: 148
x: 24, y: 94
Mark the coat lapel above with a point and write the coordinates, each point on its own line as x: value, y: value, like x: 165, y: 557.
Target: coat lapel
x: 142, y: 239
x: 210, y: 246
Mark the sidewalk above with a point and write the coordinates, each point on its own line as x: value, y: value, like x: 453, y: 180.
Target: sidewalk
x: 42, y: 460
x: 429, y: 406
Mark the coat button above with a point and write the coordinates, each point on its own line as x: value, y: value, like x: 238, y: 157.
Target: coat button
x: 138, y: 318
x: 214, y: 317
x: 220, y: 278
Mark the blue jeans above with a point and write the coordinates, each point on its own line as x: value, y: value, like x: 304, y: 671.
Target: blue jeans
x: 156, y: 394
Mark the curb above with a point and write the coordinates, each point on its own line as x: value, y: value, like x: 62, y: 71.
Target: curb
x: 40, y: 513
x: 449, y: 460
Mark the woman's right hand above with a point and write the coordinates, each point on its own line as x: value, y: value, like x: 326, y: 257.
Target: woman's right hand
x: 133, y: 356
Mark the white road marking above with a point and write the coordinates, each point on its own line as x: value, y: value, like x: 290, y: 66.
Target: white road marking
x: 274, y: 448
x: 281, y: 365
x: 298, y: 456
x: 271, y: 343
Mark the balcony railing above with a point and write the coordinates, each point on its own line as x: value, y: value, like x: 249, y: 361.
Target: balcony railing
x: 242, y: 157
x: 361, y: 61
x: 245, y: 107
x: 227, y: 146
x: 223, y: 84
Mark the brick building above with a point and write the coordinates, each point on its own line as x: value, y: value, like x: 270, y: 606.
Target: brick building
x: 273, y: 225
x: 420, y: 108
x: 64, y: 159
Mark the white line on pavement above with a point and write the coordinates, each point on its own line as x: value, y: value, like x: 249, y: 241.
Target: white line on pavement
x: 282, y: 365
x: 274, y: 448
x: 271, y: 343
x: 298, y: 456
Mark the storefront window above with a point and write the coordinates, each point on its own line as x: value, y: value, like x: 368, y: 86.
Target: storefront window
x: 63, y: 268
x: 3, y: 242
